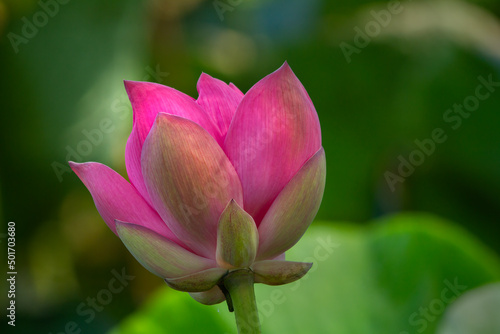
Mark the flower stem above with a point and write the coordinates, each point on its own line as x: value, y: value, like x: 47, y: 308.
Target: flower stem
x: 239, y: 285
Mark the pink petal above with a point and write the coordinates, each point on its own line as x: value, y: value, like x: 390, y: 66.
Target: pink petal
x: 294, y: 209
x: 115, y: 198
x: 148, y: 99
x: 189, y: 179
x: 274, y: 131
x: 158, y: 254
x: 219, y: 100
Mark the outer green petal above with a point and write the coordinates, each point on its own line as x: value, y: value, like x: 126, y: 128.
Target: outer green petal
x: 190, y: 180
x: 294, y: 209
x: 197, y: 282
x: 237, y: 238
x: 158, y: 254
x: 272, y: 272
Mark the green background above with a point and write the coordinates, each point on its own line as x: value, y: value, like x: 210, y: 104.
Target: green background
x: 381, y: 82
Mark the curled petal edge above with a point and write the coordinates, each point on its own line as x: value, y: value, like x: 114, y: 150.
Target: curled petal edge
x: 272, y: 272
x: 198, y: 282
x: 210, y: 297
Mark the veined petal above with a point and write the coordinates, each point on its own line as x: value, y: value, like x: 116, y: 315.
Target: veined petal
x: 279, y: 272
x: 210, y: 297
x: 148, y: 99
x: 294, y: 209
x: 189, y: 179
x: 115, y: 198
x: 158, y: 254
x: 219, y: 100
x: 274, y: 131
x: 198, y: 282
x: 237, y: 238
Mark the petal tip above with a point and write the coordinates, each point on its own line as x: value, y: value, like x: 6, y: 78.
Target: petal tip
x: 73, y: 165
x: 121, y: 222
x: 161, y: 120
x: 129, y: 84
x: 204, y: 77
x: 131, y: 87
x: 138, y: 88
x: 233, y: 204
x: 121, y: 226
x: 79, y: 167
x: 285, y: 69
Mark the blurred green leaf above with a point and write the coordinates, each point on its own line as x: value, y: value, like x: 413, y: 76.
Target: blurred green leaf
x: 475, y: 312
x: 396, y: 275
x: 171, y: 311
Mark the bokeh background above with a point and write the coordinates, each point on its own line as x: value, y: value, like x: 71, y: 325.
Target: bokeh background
x: 394, y: 242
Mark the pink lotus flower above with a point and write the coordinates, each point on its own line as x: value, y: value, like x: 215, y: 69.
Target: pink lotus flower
x: 223, y: 182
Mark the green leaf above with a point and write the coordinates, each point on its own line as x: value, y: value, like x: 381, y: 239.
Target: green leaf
x: 396, y: 275
x: 171, y: 311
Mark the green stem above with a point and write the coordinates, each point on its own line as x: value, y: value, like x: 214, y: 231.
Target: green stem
x: 239, y: 285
